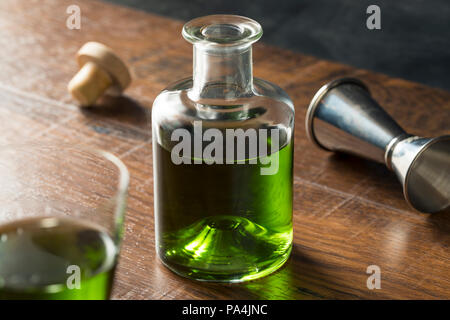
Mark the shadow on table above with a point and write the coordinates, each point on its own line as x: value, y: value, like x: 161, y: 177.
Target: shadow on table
x: 300, y: 278
x: 440, y: 222
x: 122, y: 109
x: 367, y: 179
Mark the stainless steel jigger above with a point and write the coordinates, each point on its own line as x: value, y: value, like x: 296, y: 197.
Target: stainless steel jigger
x: 343, y: 117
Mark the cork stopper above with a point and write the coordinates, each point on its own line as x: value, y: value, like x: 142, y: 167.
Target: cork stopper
x: 101, y: 71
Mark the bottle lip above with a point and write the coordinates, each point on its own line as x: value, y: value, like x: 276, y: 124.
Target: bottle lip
x: 222, y: 30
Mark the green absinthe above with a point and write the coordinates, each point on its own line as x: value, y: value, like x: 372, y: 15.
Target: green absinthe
x: 223, y: 222
x: 39, y: 257
x: 223, y: 213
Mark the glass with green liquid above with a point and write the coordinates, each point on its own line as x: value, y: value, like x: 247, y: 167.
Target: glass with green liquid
x: 61, y: 217
x: 223, y: 159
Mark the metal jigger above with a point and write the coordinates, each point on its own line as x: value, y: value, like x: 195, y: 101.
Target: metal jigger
x: 343, y: 117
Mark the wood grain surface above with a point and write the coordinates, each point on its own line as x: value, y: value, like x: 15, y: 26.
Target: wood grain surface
x: 348, y: 214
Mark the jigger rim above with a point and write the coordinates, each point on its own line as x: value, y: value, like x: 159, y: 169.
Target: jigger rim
x: 415, y: 203
x: 310, y: 113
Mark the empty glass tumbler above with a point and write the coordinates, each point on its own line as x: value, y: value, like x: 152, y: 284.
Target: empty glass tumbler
x: 223, y: 150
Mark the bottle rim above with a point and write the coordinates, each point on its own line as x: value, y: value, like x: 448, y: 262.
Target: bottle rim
x: 222, y: 30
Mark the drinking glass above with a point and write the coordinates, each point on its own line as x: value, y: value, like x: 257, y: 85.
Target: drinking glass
x: 61, y: 218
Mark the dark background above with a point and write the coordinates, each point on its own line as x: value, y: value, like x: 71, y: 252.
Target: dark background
x: 413, y: 43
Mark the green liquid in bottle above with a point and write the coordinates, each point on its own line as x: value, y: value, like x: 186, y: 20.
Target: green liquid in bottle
x: 35, y: 255
x: 223, y: 222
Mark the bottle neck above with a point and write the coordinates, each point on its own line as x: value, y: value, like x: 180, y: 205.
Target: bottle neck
x: 224, y: 73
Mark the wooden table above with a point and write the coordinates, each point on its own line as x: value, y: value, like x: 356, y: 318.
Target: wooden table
x: 348, y: 214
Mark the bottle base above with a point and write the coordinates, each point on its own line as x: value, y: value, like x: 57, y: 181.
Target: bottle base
x: 225, y: 249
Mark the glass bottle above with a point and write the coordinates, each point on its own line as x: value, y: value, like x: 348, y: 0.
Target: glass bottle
x: 222, y: 157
